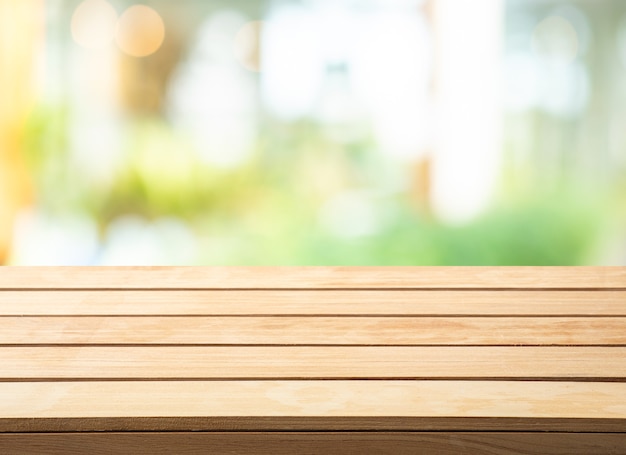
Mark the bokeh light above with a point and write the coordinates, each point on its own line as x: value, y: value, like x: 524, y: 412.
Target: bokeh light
x: 351, y: 214
x: 247, y: 46
x: 94, y: 23
x: 556, y: 38
x: 141, y: 31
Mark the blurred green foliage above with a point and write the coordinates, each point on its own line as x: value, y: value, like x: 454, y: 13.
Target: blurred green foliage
x: 266, y: 212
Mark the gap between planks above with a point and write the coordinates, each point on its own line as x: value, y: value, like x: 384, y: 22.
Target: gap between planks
x: 569, y: 379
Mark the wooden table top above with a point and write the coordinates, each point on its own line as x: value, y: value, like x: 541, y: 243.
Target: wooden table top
x: 313, y: 360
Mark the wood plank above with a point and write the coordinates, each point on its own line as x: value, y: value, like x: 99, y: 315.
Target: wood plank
x: 315, y: 302
x: 311, y: 277
x: 311, y: 423
x: 372, y: 399
x: 276, y: 443
x: 272, y: 330
x: 312, y: 362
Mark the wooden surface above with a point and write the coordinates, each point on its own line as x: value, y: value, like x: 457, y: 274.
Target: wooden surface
x: 397, y: 302
x: 356, y: 398
x: 313, y: 360
x: 301, y: 362
x: 313, y: 277
x: 322, y: 330
x: 318, y: 443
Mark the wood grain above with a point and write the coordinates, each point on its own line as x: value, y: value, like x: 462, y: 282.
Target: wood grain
x: 272, y: 330
x: 312, y: 423
x: 312, y: 277
x: 308, y: 398
x: 357, y: 443
x: 312, y: 362
x: 313, y: 302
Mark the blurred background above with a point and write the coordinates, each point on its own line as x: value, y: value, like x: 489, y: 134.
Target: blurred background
x: 319, y: 132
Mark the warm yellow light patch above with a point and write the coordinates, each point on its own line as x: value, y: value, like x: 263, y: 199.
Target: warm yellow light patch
x: 247, y: 45
x: 93, y: 24
x: 140, y: 32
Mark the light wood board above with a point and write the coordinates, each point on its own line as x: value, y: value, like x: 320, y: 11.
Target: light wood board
x: 312, y: 277
x: 323, y: 330
x: 344, y: 398
x: 166, y: 362
x: 313, y: 302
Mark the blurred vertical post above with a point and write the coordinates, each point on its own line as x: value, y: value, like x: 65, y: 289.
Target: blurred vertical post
x: 155, y: 51
x: 20, y: 30
x: 468, y: 43
x: 421, y: 168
